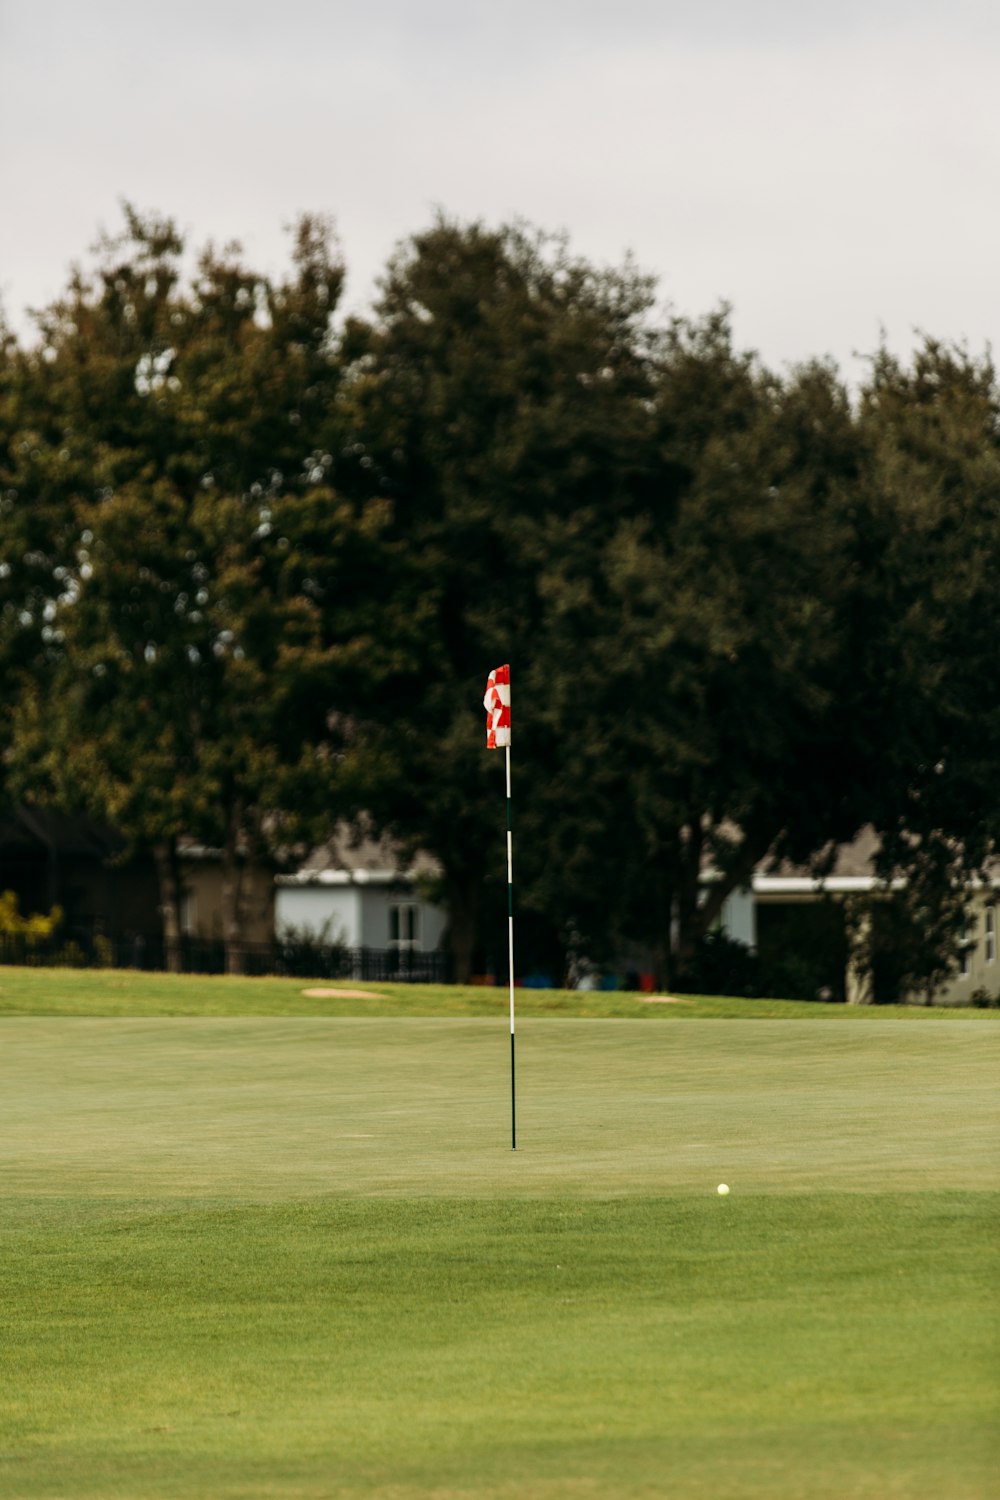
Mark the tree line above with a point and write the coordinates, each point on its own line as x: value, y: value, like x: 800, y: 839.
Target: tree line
x: 257, y: 557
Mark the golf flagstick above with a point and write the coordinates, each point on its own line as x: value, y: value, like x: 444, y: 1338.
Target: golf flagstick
x: 510, y: 962
x: 497, y: 705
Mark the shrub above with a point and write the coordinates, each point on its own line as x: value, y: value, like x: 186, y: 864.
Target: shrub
x: 33, y: 929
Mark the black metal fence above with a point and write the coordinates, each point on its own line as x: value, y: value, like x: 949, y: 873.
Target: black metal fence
x: 295, y: 958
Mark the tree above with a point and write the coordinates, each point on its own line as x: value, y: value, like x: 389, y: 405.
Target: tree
x: 905, y: 938
x: 218, y: 592
x: 699, y: 672
x: 931, y: 519
x: 36, y: 529
x: 501, y: 399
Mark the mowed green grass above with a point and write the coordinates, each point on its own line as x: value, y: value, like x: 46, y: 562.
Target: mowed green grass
x: 294, y: 1256
x: 105, y: 992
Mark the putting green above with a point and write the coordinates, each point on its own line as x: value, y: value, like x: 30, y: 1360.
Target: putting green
x: 269, y: 1107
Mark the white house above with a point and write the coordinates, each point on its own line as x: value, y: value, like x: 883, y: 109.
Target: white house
x: 776, y: 892
x: 359, y: 894
x: 362, y: 895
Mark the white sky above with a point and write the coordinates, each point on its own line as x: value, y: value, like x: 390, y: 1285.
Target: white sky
x: 831, y: 171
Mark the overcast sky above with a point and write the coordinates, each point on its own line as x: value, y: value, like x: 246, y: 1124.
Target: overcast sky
x: 832, y: 171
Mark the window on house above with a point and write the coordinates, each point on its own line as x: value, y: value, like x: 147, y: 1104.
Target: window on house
x: 404, y: 924
x: 966, y: 948
x: 990, y: 936
x: 188, y: 913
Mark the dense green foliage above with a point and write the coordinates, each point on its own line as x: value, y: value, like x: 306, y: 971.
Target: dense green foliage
x: 256, y: 563
x: 199, y: 591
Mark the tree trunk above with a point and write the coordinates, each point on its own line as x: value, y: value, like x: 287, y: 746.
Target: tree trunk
x: 232, y: 898
x: 169, y: 880
x: 685, y: 926
x: 859, y: 968
x: 462, y: 901
x: 663, y: 964
x: 693, y: 911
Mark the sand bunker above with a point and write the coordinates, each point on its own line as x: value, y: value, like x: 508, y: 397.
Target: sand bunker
x: 342, y: 995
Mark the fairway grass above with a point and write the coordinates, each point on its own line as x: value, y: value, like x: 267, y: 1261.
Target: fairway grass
x: 293, y: 1257
x: 809, y: 1346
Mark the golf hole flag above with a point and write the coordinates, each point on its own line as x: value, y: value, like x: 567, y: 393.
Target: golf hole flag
x: 497, y: 706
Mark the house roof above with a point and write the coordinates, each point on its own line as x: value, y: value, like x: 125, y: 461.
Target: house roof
x: 851, y: 868
x: 352, y: 858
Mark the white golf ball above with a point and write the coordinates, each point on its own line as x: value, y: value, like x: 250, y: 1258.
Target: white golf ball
x: 723, y: 1189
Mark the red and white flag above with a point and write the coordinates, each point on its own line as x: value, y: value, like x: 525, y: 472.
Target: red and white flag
x: 497, y: 706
